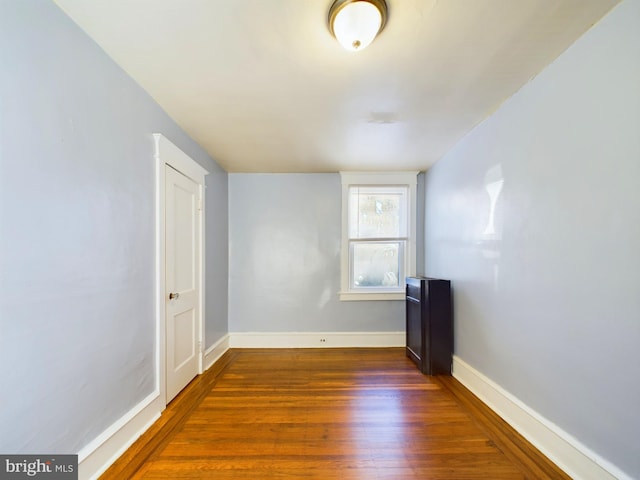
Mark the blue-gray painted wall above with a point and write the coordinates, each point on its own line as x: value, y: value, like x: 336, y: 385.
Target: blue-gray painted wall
x: 547, y: 296
x: 77, y: 238
x: 284, y: 272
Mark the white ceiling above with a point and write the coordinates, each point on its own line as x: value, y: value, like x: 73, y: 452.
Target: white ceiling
x: 264, y: 87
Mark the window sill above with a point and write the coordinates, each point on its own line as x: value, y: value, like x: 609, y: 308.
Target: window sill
x: 367, y: 296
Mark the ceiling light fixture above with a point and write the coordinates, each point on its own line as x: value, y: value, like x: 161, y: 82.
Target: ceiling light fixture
x: 355, y: 23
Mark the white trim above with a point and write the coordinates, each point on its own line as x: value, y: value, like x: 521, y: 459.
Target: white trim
x: 379, y: 178
x: 201, y: 191
x: 577, y: 460
x: 166, y: 153
x: 352, y: 296
x: 215, y: 351
x: 172, y: 155
x: 315, y: 339
x: 409, y: 179
x: 160, y: 274
x: 105, y: 449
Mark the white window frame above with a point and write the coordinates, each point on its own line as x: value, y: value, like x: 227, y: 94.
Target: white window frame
x: 377, y: 179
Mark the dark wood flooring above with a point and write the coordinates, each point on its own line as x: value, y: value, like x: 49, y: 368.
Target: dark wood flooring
x: 328, y: 414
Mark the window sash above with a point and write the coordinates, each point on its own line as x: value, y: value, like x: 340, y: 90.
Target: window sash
x: 360, y: 195
x: 377, y: 225
x: 378, y: 182
x: 377, y: 278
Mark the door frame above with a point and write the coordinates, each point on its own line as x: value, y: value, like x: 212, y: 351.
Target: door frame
x: 166, y: 153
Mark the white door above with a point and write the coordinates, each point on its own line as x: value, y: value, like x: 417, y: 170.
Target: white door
x: 182, y: 263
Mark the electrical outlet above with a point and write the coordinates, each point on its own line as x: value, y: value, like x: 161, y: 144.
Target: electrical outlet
x: 323, y: 340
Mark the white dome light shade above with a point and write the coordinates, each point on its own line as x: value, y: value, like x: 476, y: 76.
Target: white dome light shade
x: 355, y: 24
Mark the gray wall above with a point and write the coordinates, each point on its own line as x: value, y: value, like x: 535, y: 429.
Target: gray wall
x: 547, y: 304
x: 77, y: 268
x: 217, y: 256
x: 284, y: 244
x: 420, y: 199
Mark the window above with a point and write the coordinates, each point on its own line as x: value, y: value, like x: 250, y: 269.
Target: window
x: 378, y: 234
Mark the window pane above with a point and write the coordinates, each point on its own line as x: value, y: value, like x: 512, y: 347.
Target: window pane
x: 377, y: 212
x: 377, y: 264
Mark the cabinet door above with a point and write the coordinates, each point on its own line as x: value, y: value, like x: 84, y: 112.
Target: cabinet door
x: 414, y: 329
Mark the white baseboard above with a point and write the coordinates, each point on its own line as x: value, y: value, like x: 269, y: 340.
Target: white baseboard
x: 105, y: 449
x: 316, y: 339
x: 215, y: 351
x: 97, y: 456
x: 569, y: 454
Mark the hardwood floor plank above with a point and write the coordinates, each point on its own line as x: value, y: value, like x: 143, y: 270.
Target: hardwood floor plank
x: 514, y: 445
x: 328, y: 414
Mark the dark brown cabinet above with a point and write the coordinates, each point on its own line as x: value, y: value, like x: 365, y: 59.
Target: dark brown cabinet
x: 430, y: 324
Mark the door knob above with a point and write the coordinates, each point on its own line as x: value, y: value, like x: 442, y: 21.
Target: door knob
x: 173, y: 295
